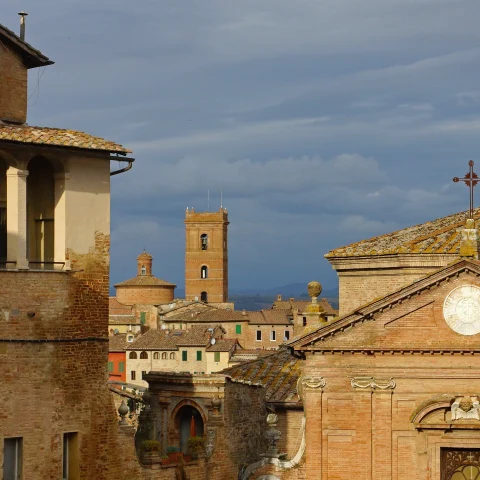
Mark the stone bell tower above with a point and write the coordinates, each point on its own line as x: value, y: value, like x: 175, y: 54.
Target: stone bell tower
x: 206, y: 256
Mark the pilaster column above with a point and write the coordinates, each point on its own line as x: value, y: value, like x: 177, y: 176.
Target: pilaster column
x: 60, y: 215
x: 164, y: 403
x: 17, y: 217
x: 312, y: 392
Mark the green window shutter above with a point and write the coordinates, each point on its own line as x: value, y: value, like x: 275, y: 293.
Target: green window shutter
x: 199, y: 355
x: 216, y: 356
x: 184, y: 356
x: 238, y: 329
x: 143, y: 318
x: 110, y: 366
x: 121, y: 367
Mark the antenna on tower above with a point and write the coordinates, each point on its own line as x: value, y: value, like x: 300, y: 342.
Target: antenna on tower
x: 221, y: 197
x: 208, y: 201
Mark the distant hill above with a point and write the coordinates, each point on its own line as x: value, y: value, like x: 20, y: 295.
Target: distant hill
x: 296, y: 290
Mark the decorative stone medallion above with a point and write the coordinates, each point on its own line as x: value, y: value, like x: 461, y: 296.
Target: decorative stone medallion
x: 461, y: 310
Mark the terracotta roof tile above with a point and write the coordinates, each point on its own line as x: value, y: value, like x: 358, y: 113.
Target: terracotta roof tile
x: 440, y: 236
x: 277, y: 373
x: 198, y: 335
x: 57, y: 137
x: 145, y: 281
x: 201, y: 314
x: 223, y: 345
x: 269, y: 317
x: 117, y: 308
x: 118, y: 343
x: 158, y: 340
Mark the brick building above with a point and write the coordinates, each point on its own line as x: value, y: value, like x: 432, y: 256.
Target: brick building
x: 201, y: 349
x: 137, y: 299
x: 57, y: 418
x: 391, y: 388
x: 262, y: 329
x: 206, y: 256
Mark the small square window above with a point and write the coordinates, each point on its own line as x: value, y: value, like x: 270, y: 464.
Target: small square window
x: 273, y: 336
x: 259, y: 335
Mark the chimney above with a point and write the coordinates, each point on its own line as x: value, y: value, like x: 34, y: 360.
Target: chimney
x: 279, y: 298
x: 22, y: 25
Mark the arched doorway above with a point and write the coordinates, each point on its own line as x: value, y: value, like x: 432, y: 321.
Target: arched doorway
x: 40, y: 213
x: 188, y: 423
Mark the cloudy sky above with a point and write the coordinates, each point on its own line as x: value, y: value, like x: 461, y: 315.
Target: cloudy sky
x: 324, y: 121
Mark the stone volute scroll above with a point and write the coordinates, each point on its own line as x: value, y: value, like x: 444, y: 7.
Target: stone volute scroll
x: 310, y: 382
x: 373, y: 383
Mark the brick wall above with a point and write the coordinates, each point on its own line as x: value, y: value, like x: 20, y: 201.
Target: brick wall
x: 53, y: 365
x: 13, y: 87
x: 145, y: 295
x: 250, y: 341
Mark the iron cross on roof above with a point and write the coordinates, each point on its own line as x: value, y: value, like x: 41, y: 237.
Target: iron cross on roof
x: 470, y: 179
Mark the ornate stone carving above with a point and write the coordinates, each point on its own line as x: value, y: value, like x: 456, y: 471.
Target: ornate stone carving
x: 373, y: 383
x: 461, y: 310
x: 466, y: 407
x: 273, y: 436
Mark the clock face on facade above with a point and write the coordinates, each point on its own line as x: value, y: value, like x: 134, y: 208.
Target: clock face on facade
x: 461, y: 310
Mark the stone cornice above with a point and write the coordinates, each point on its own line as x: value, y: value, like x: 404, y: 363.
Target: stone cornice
x: 391, y: 262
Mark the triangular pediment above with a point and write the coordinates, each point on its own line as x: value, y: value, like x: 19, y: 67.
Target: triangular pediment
x: 436, y: 313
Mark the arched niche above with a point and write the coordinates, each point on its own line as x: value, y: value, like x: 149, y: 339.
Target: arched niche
x: 181, y: 423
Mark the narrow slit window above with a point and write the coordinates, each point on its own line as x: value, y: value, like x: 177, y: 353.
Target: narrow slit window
x: 70, y: 464
x: 12, y: 458
x: 204, y: 272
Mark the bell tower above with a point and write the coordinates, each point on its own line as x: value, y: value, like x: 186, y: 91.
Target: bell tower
x: 206, y: 256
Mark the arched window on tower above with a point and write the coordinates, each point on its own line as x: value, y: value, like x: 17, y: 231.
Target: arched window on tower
x: 164, y: 355
x: 204, y: 297
x: 144, y: 270
x: 204, y: 272
x: 172, y: 356
x: 132, y: 355
x: 143, y: 355
x: 204, y: 241
x: 155, y: 356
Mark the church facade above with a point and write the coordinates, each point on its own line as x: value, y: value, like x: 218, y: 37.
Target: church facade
x: 391, y: 389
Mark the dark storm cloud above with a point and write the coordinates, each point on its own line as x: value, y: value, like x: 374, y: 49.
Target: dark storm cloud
x: 324, y: 122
